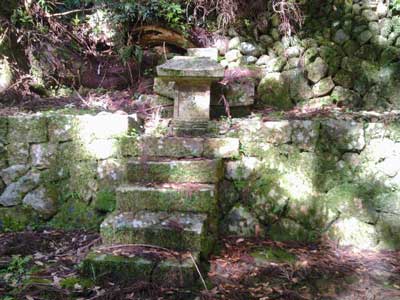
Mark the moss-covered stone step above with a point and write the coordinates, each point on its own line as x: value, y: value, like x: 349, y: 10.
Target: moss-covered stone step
x: 167, y: 197
x: 189, y: 147
x: 129, y: 264
x: 177, y: 171
x: 176, y: 231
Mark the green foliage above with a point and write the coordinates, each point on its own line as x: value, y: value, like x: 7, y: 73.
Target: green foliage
x: 396, y: 5
x: 17, y: 270
x: 105, y: 201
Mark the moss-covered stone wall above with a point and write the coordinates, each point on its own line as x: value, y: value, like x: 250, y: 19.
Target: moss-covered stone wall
x: 306, y: 179
x: 61, y: 169
x: 347, y: 54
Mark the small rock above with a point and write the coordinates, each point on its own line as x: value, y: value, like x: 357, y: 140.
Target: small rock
x: 341, y: 37
x: 364, y: 37
x: 374, y: 27
x: 382, y: 9
x: 266, y: 41
x: 233, y: 55
x: 356, y: 9
x: 12, y: 173
x: 234, y: 43
x: 323, y: 87
x: 317, y: 70
x: 370, y: 15
x: 14, y: 192
x: 241, y: 222
x: 293, y: 52
x: 249, y: 59
x: 40, y: 202
x: 263, y: 60
x: 249, y: 49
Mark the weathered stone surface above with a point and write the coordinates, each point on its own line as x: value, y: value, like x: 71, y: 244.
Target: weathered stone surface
x: 272, y: 64
x: 234, y: 43
x: 305, y: 134
x: 201, y: 198
x: 43, y: 155
x: 364, y: 37
x: 241, y: 222
x: 341, y: 37
x: 164, y: 87
x: 169, y: 272
x: 13, y: 172
x: 3, y: 129
x: 199, y: 171
x: 101, y: 126
x: 250, y: 49
x: 111, y: 172
x: 28, y: 129
x: 17, y: 153
x: 177, y: 231
x: 171, y: 147
x: 242, y: 169
x: 240, y: 93
x: 345, y: 135
x: 211, y: 53
x: 274, y: 92
x: 323, y: 87
x: 221, y: 147
x: 353, y: 232
x: 233, y: 55
x: 370, y: 15
x: 298, y: 85
x: 62, y: 128
x: 40, y: 201
x: 15, y: 191
x: 317, y: 70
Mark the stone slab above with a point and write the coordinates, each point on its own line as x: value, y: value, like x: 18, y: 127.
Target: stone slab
x: 178, y: 171
x: 187, y: 66
x: 200, y: 198
x: 165, y: 271
x: 176, y: 231
x: 189, y: 147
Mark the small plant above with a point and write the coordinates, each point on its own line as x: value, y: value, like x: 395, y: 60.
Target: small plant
x: 17, y: 270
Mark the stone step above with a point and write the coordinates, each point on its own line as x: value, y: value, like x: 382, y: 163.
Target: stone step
x: 178, y: 147
x: 175, y: 231
x: 130, y: 264
x: 186, y: 197
x: 175, y: 171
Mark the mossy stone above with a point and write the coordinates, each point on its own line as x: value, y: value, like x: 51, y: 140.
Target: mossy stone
x: 272, y: 91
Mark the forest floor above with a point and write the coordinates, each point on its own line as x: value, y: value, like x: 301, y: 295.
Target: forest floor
x: 44, y: 265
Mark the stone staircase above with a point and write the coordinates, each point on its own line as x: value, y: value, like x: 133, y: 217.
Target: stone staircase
x: 166, y: 216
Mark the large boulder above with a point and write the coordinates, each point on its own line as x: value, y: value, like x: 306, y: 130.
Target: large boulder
x: 272, y: 91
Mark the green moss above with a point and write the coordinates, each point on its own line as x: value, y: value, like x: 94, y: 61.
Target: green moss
x: 105, y: 201
x: 18, y: 219
x: 75, y: 214
x: 71, y: 282
x: 276, y: 255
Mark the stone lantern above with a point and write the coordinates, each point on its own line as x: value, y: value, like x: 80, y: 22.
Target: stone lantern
x: 192, y: 77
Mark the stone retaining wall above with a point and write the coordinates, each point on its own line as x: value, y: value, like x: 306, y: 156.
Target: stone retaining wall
x: 304, y: 179
x: 60, y: 167
x: 347, y: 53
x: 294, y: 179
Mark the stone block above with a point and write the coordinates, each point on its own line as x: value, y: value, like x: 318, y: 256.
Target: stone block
x: 41, y: 202
x: 196, y: 171
x: 13, y: 173
x: 344, y: 135
x: 43, y: 155
x: 171, y: 147
x: 27, y: 129
x: 201, y: 198
x: 221, y: 147
x: 15, y: 192
x: 111, y: 172
x: 167, y: 272
x: 3, y: 129
x: 17, y: 153
x: 164, y: 87
x: 176, y: 231
x: 62, y: 128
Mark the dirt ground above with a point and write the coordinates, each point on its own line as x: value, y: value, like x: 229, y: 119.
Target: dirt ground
x: 44, y: 265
